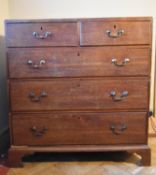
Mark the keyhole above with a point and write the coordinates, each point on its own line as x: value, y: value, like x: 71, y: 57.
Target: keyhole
x: 78, y: 84
x: 41, y: 28
x: 114, y: 26
x: 78, y: 53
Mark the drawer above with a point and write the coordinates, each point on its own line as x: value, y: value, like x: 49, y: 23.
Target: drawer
x: 79, y: 94
x: 115, y: 32
x: 79, y: 128
x: 76, y: 62
x: 41, y: 34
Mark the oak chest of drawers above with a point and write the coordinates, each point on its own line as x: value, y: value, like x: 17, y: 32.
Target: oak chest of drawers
x: 79, y: 85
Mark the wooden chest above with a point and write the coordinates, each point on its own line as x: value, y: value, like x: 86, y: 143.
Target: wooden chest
x: 78, y: 85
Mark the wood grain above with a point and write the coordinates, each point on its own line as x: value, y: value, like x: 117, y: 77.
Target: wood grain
x: 78, y: 62
x: 80, y: 128
x: 70, y: 93
x: 94, y: 33
x: 79, y: 94
x: 62, y: 34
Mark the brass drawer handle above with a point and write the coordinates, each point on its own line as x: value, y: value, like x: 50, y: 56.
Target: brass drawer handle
x: 36, y: 66
x: 118, y: 98
x: 35, y: 98
x: 115, y: 34
x: 117, y: 130
x: 38, y: 132
x: 123, y: 63
x: 44, y: 36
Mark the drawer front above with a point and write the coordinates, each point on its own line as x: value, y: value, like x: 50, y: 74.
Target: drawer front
x: 79, y: 94
x: 75, y: 62
x: 41, y: 34
x: 79, y: 128
x: 115, y: 32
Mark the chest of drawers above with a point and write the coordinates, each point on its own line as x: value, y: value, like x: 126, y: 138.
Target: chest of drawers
x: 79, y: 85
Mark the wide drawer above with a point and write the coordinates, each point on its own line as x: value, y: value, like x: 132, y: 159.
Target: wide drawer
x: 79, y: 128
x: 42, y: 34
x: 79, y: 94
x: 115, y: 32
x: 76, y: 62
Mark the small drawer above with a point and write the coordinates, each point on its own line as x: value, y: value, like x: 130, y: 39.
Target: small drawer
x: 115, y: 32
x: 79, y: 94
x: 78, y: 62
x: 41, y: 34
x: 79, y: 128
